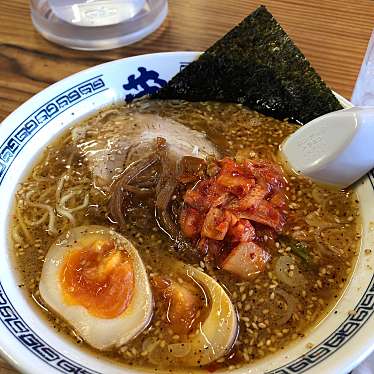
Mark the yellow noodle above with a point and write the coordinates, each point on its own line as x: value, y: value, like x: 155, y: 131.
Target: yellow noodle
x: 22, y: 224
x: 35, y: 223
x: 60, y: 186
x: 63, y: 212
x: 64, y: 199
x: 52, y: 217
x: 15, y: 235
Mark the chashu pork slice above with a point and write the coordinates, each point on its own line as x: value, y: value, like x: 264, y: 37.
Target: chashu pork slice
x: 114, y: 139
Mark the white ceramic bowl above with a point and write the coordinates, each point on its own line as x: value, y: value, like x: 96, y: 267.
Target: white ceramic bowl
x: 339, y: 342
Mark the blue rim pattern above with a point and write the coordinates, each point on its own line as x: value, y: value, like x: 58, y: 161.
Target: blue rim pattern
x: 43, y: 115
x: 35, y: 344
x: 363, y: 311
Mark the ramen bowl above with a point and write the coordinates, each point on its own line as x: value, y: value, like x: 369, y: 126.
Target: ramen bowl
x: 335, y: 345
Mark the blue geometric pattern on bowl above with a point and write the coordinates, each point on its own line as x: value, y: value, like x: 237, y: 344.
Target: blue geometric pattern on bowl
x: 43, y: 115
x: 141, y: 84
x: 353, y: 323
x: 34, y: 343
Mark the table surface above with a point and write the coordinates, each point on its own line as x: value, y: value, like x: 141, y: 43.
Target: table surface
x: 332, y: 34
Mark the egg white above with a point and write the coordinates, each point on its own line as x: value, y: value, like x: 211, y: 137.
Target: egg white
x: 100, y: 333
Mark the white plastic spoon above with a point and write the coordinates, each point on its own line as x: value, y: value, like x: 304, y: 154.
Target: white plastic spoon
x: 335, y: 149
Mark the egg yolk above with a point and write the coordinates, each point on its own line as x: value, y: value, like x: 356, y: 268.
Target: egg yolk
x: 98, y: 277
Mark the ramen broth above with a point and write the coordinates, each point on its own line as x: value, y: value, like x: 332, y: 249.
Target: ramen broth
x: 311, y: 260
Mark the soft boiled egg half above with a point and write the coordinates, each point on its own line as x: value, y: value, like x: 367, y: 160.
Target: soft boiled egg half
x: 95, y: 279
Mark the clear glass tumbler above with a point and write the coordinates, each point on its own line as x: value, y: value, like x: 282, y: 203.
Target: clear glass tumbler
x: 97, y: 24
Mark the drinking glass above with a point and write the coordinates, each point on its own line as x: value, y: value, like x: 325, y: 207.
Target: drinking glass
x: 97, y: 24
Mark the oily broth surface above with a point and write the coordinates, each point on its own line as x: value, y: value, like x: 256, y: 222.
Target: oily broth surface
x: 260, y: 302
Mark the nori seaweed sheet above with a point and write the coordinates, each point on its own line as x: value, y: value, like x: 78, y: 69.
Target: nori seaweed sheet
x: 255, y: 64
